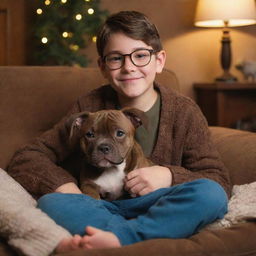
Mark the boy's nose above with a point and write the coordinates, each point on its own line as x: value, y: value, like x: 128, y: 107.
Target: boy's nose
x: 128, y: 65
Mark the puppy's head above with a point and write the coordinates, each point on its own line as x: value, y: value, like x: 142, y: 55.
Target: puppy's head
x: 106, y: 137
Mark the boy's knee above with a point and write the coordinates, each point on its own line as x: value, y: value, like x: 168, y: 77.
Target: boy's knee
x: 57, y: 200
x: 49, y: 201
x: 211, y: 194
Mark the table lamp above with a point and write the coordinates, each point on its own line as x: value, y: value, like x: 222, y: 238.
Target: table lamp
x: 225, y: 13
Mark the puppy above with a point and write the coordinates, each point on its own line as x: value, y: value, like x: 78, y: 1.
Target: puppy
x: 110, y: 151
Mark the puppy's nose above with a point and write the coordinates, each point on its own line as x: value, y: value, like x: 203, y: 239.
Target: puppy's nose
x: 104, y: 148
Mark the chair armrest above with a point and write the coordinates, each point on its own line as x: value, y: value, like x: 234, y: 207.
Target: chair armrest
x: 238, y: 152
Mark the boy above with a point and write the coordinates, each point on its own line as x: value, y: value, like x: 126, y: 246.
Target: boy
x: 183, y: 192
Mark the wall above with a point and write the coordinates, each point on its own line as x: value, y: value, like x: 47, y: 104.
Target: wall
x: 192, y: 53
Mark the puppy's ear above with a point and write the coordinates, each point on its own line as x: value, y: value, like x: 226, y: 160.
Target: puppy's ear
x: 136, y: 116
x: 75, y: 122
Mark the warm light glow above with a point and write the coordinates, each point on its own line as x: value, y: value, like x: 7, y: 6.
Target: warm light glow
x: 74, y: 47
x: 79, y: 16
x: 63, y: 1
x: 90, y: 11
x: 44, y: 40
x: 47, y: 2
x: 65, y: 34
x: 94, y: 39
x: 39, y: 11
x: 87, y: 0
x: 220, y: 23
x: 213, y: 13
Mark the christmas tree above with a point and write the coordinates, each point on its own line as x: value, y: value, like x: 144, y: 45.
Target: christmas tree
x: 64, y: 27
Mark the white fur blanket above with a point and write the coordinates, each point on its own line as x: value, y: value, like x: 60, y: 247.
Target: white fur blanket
x: 241, y: 207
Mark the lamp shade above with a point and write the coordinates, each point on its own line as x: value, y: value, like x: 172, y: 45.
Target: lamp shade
x: 214, y: 13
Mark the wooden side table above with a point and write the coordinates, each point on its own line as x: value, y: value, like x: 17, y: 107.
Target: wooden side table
x: 223, y: 104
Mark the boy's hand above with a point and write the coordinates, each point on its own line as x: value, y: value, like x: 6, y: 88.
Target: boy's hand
x: 142, y: 181
x: 70, y: 187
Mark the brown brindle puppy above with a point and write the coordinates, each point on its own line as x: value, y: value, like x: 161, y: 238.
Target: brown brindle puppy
x: 110, y: 150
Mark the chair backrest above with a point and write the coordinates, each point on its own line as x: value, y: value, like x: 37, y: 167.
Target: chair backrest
x: 238, y: 152
x: 33, y: 99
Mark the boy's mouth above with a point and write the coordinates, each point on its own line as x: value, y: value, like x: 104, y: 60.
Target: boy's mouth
x: 129, y: 79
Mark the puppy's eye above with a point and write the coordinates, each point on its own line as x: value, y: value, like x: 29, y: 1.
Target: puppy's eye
x: 120, y: 133
x: 89, y: 135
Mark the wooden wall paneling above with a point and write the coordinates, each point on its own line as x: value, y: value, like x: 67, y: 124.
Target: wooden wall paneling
x: 12, y: 32
x: 3, y: 36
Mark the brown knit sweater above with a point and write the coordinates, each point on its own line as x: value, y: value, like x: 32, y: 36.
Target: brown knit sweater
x: 183, y: 145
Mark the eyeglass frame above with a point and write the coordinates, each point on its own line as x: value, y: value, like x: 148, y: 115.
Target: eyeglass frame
x: 151, y: 51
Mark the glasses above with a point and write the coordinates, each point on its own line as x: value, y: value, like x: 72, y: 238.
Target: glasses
x: 139, y: 58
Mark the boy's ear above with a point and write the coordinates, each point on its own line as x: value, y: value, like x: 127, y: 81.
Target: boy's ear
x: 160, y: 61
x: 102, y: 67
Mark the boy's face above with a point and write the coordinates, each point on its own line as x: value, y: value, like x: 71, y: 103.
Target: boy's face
x: 131, y: 81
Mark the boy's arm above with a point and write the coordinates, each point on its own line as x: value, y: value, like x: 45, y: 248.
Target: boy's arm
x: 192, y: 146
x: 200, y: 157
x: 35, y: 165
x: 68, y: 188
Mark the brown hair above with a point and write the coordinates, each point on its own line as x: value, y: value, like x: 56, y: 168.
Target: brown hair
x: 134, y: 25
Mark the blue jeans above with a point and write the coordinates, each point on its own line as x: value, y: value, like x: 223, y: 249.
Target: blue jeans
x: 175, y: 212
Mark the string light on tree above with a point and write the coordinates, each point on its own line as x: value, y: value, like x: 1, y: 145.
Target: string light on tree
x: 79, y: 16
x: 90, y: 11
x: 44, y: 40
x: 63, y: 28
x: 65, y: 34
x: 47, y: 2
x: 39, y: 11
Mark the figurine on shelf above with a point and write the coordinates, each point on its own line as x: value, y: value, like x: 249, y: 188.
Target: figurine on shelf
x: 248, y: 68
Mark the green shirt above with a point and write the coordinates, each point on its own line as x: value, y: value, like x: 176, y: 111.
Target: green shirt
x: 147, y: 137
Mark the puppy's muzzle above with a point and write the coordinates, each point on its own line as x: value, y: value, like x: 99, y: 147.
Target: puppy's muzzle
x: 109, y: 153
x: 104, y: 148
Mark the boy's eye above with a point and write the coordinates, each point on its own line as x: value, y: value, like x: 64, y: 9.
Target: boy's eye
x: 141, y: 55
x: 114, y: 58
x: 90, y: 135
x: 120, y: 133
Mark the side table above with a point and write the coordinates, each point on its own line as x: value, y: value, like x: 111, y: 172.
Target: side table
x: 224, y: 104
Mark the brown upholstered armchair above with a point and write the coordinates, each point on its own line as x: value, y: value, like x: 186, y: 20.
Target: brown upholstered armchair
x: 32, y: 99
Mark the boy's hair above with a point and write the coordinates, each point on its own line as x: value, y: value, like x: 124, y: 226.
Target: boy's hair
x: 131, y: 23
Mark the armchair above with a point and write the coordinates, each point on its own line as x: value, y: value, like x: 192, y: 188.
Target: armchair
x: 32, y: 99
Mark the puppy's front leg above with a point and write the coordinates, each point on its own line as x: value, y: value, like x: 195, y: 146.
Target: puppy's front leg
x: 90, y: 188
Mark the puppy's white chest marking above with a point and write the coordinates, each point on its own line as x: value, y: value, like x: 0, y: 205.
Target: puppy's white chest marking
x: 111, y: 181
